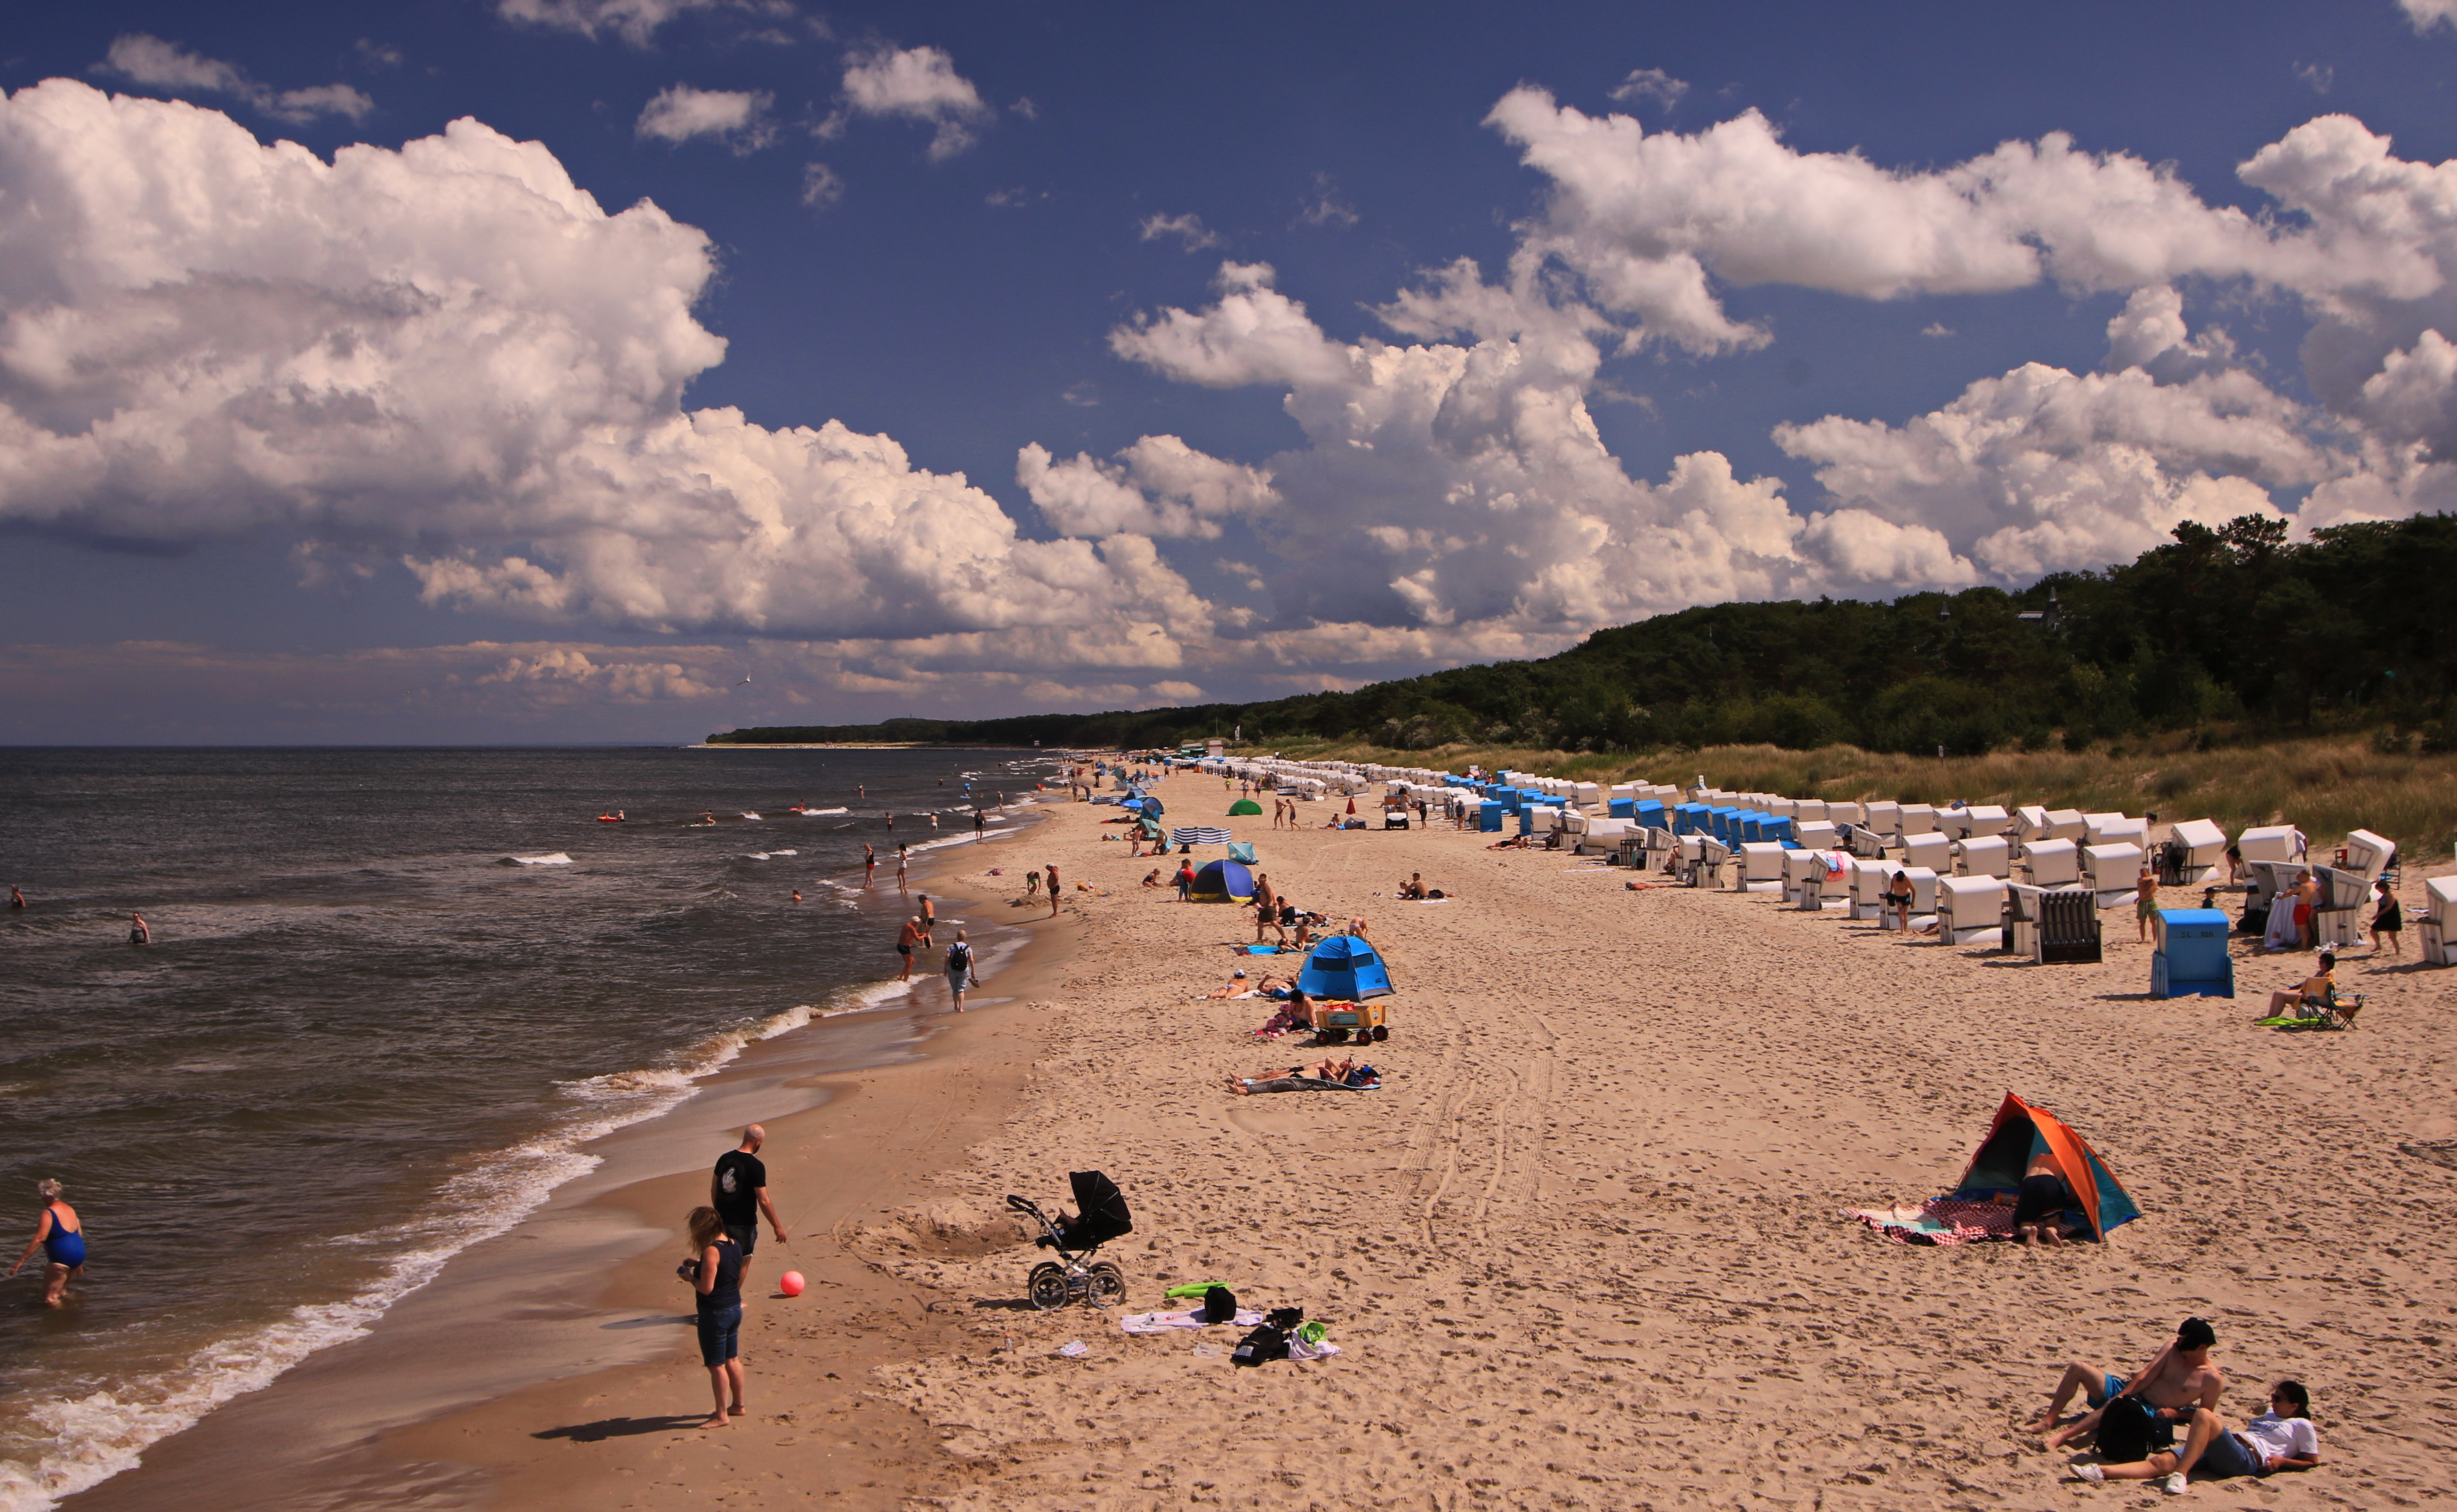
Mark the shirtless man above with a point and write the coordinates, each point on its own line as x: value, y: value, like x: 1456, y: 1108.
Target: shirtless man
x: 907, y: 940
x: 929, y: 917
x: 2176, y: 1383
x: 2145, y: 902
x: 1414, y: 886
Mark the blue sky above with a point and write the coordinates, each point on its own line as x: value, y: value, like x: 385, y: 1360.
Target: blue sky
x: 1170, y: 356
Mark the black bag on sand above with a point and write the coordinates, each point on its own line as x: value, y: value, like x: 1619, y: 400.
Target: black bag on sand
x: 1219, y: 1305
x: 2124, y: 1431
x: 1270, y: 1341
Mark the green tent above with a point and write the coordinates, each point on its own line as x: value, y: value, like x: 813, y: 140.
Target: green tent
x: 1244, y: 806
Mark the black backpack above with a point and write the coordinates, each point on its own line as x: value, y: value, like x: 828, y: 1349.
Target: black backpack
x: 2124, y: 1431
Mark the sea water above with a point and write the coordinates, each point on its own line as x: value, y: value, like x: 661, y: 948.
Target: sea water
x: 389, y: 996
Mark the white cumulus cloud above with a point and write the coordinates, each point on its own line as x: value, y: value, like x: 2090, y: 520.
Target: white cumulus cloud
x: 2427, y: 14
x: 918, y: 84
x: 149, y: 60
x: 738, y: 117
x: 1158, y: 486
x: 451, y: 354
x: 634, y: 21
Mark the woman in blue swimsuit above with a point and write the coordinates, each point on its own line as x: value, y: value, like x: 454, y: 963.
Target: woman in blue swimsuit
x: 61, y: 1238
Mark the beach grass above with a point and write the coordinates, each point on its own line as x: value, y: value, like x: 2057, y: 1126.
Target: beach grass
x: 2324, y: 787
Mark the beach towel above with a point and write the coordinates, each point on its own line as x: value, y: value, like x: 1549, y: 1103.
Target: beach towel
x: 1167, y: 1322
x: 1939, y: 1220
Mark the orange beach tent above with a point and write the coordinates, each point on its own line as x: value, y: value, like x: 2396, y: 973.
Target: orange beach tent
x: 2021, y: 1131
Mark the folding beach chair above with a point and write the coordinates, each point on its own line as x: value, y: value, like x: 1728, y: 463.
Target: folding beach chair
x: 2327, y: 1011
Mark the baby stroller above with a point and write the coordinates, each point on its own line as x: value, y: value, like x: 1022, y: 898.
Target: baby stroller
x: 1100, y: 1216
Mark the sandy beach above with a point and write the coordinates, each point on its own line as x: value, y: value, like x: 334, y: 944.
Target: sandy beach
x: 1583, y: 1248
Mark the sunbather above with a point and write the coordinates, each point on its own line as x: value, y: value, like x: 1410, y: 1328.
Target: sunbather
x: 2177, y: 1380
x: 1235, y: 987
x: 2306, y: 997
x: 2280, y: 1439
x: 1516, y: 842
x: 1323, y: 1076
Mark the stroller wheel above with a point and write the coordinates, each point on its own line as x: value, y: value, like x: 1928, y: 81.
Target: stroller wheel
x: 1108, y: 1285
x: 1048, y: 1287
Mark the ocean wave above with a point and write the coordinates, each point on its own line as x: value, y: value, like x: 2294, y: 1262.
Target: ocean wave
x: 555, y: 858
x: 764, y: 856
x: 103, y: 1433
x: 812, y: 813
x: 747, y: 814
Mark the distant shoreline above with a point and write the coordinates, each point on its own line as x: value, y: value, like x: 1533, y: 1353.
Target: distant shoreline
x: 850, y: 745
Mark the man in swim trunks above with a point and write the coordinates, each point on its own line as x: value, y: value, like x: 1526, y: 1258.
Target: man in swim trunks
x: 929, y: 917
x: 2145, y: 902
x: 1053, y: 889
x: 2179, y: 1380
x: 907, y: 939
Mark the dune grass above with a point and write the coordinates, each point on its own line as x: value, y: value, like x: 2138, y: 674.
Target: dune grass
x: 2324, y: 787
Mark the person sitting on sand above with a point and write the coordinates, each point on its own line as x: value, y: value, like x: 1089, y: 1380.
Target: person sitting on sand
x: 2280, y: 1439
x: 2039, y: 1207
x: 2174, y: 1385
x: 1235, y: 987
x: 1413, y: 887
x: 1151, y: 878
x: 1296, y: 1013
x: 2306, y: 996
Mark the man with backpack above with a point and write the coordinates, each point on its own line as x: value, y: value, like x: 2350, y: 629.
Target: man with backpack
x: 960, y: 969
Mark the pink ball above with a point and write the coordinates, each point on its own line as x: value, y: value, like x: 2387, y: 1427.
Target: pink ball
x: 790, y: 1283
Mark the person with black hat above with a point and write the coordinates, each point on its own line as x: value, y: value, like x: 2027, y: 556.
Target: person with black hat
x: 2175, y: 1384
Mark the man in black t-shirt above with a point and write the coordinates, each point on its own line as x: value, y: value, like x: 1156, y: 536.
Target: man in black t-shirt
x: 738, y: 1191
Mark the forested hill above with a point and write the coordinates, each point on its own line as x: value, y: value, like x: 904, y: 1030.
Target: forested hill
x: 2233, y: 630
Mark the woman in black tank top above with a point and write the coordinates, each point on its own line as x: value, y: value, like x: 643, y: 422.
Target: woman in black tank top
x: 714, y: 1272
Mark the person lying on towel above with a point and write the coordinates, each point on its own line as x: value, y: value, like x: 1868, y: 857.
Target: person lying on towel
x: 1325, y: 1076
x: 2039, y: 1208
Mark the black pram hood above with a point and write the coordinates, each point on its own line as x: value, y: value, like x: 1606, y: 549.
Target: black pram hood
x: 1101, y: 1209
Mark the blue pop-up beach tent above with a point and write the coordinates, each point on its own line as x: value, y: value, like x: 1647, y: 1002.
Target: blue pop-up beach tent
x: 1222, y: 881
x: 1344, y: 968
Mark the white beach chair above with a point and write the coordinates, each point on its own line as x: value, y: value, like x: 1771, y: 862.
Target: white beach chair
x: 2439, y: 930
x: 2050, y: 864
x: 1931, y: 850
x: 1968, y: 907
x: 2110, y: 871
x: 2197, y: 848
x: 1759, y: 867
x: 1984, y: 856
